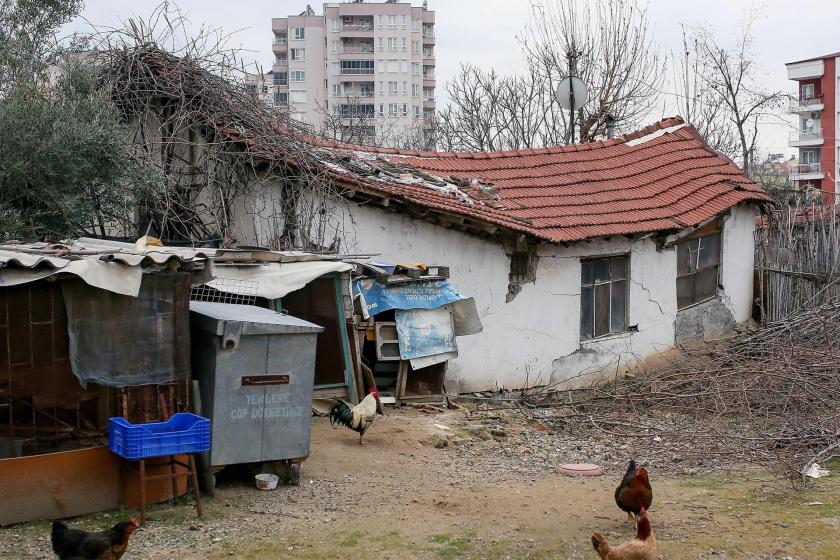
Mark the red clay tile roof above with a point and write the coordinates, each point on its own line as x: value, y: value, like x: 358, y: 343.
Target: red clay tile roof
x: 662, y: 178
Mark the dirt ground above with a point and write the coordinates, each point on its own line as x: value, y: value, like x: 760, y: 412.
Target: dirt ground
x: 491, y: 493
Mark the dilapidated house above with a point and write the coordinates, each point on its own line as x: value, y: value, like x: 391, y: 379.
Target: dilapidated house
x: 581, y: 259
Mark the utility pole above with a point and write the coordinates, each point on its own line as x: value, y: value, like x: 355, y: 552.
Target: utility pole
x: 571, y: 57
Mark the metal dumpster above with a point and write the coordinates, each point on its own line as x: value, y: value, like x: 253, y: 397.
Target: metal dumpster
x: 256, y: 371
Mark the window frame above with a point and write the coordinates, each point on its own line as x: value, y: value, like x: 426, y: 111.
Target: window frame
x: 626, y: 279
x: 297, y: 93
x: 302, y: 52
x: 813, y: 156
x: 713, y: 229
x: 299, y: 33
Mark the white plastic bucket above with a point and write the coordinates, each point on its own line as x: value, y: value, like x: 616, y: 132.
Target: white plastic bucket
x: 267, y: 481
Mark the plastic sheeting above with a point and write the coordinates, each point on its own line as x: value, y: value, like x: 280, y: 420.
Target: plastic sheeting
x: 427, y: 336
x: 425, y: 332
x: 412, y: 295
x: 111, y: 276
x: 275, y: 280
x: 119, y: 340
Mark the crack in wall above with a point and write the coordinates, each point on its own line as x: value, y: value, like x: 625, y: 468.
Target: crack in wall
x: 534, y: 331
x: 647, y: 291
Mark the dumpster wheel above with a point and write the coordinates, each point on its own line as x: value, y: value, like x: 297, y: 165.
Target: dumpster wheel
x: 294, y: 474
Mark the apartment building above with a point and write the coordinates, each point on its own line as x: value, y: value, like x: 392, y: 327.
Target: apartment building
x: 364, y: 67
x: 260, y: 86
x: 817, y: 108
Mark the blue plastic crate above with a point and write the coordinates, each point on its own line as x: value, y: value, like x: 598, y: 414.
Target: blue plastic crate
x: 183, y: 433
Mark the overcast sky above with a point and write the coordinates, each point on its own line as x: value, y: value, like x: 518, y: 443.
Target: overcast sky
x: 484, y: 32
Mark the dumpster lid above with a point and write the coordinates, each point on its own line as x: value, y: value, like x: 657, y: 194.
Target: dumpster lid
x: 213, y: 317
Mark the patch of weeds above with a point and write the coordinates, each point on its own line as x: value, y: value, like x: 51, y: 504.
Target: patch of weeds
x: 455, y: 548
x: 349, y: 543
x: 451, y: 547
x: 388, y: 538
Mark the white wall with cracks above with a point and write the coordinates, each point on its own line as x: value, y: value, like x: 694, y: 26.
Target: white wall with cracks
x: 535, y: 338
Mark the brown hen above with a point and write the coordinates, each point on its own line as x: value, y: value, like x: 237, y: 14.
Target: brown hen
x: 74, y: 544
x: 643, y: 547
x: 634, y: 492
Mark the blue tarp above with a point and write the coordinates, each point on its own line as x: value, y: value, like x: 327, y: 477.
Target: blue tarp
x: 416, y: 295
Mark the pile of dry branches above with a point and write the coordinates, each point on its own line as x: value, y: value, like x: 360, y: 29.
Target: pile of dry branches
x: 771, y: 397
x: 219, y: 150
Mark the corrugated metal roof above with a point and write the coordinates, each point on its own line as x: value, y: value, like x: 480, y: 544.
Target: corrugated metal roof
x: 59, y: 255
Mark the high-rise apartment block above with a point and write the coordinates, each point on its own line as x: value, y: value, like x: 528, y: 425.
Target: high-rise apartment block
x: 362, y: 71
x: 817, y: 108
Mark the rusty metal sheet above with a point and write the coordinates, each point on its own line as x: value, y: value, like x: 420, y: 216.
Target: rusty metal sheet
x: 71, y: 483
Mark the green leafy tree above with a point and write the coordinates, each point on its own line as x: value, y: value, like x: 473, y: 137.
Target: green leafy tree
x: 66, y: 163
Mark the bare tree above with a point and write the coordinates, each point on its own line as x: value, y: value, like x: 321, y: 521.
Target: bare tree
x: 232, y: 169
x: 730, y: 76
x: 354, y: 119
x: 613, y: 55
x: 696, y: 101
x: 490, y: 112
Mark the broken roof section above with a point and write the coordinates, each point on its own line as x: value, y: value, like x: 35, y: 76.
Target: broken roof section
x: 661, y: 178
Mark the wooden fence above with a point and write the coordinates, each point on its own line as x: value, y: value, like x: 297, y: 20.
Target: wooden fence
x: 797, y: 260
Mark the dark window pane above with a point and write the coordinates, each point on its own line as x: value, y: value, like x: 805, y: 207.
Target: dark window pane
x: 709, y: 251
x: 705, y: 284
x: 682, y: 259
x: 602, y: 309
x: 586, y: 313
x: 618, y: 309
x: 602, y: 270
x: 685, y: 291
x: 586, y: 272
x: 618, y: 268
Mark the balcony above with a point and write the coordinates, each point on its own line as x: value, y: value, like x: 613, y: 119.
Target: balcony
x: 279, y: 45
x: 353, y: 94
x: 356, y: 72
x: 356, y: 49
x: 805, y: 171
x: 357, y: 29
x: 813, y: 137
x: 806, y: 104
x: 356, y: 111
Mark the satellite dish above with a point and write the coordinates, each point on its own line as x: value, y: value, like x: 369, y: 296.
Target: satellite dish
x: 579, y: 88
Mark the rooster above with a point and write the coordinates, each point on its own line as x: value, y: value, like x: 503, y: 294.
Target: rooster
x: 643, y: 547
x: 634, y: 492
x: 73, y: 544
x: 358, y: 418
